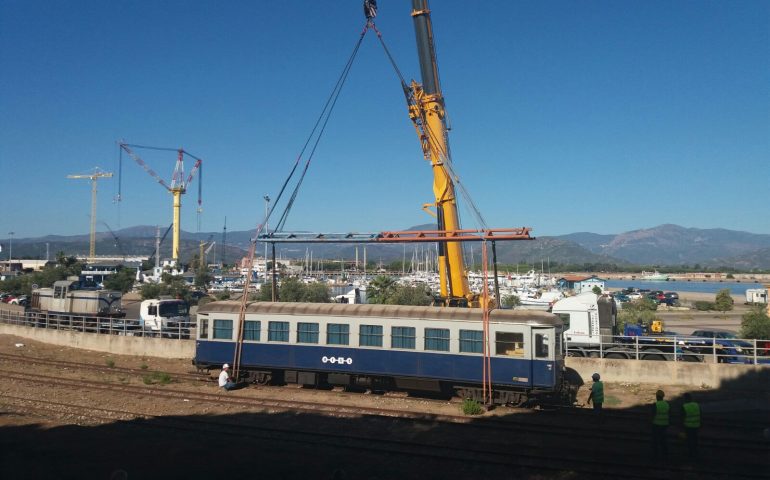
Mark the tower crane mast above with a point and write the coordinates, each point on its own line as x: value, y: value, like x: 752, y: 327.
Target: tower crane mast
x: 94, y: 177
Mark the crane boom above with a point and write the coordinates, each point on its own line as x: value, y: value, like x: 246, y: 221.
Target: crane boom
x: 426, y: 110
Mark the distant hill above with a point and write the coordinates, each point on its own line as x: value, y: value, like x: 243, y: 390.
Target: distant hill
x: 675, y: 245
x: 662, y: 245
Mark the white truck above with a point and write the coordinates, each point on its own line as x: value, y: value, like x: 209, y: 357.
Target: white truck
x: 165, y: 317
x: 590, y: 330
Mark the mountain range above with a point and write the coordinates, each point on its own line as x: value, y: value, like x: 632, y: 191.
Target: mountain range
x: 664, y: 245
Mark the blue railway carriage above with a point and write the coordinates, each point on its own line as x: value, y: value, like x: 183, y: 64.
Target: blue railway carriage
x: 386, y: 347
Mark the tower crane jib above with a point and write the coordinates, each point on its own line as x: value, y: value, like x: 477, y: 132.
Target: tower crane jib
x: 177, y: 188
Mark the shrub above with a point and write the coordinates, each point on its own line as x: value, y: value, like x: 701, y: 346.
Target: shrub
x: 755, y: 323
x: 144, y: 366
x: 472, y: 407
x: 110, y: 363
x: 510, y: 301
x: 641, y: 311
x: 161, y: 378
x: 723, y: 301
x: 703, y: 305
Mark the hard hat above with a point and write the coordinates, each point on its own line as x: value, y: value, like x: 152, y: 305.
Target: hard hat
x: 595, y: 376
x: 225, y: 366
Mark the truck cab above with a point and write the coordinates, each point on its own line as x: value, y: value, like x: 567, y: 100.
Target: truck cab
x: 165, y: 317
x: 588, y: 318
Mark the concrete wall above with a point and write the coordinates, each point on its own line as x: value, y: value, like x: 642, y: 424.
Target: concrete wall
x: 117, y: 344
x: 710, y: 375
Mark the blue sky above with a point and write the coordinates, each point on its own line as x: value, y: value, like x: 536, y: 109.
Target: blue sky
x: 598, y: 116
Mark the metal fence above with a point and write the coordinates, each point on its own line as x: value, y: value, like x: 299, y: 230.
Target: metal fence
x: 89, y: 324
x: 676, y: 348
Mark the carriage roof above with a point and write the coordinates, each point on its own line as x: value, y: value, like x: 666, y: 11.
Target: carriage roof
x: 376, y: 310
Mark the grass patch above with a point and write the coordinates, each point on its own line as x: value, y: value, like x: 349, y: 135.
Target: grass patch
x: 611, y: 401
x: 110, y: 363
x: 472, y: 407
x: 144, y: 366
x: 157, y: 378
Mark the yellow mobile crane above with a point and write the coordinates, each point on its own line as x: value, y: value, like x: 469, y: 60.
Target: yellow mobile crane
x: 426, y: 110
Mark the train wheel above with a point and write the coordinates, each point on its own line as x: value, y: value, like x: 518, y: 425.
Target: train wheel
x: 263, y: 378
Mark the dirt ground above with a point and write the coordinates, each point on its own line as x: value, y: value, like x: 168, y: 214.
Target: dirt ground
x: 68, y: 444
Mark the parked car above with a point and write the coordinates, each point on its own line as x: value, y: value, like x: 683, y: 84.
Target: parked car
x: 7, y: 297
x: 673, y: 295
x: 619, y: 297
x: 728, y: 348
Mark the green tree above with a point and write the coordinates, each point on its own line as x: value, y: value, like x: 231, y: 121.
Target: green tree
x: 755, y: 323
x: 510, y: 301
x: 122, y: 280
x: 641, y: 311
x: 202, y: 278
x: 724, y: 301
x: 317, y: 292
x: 265, y: 293
x: 597, y: 289
x: 380, y: 289
x: 170, y: 286
x: 406, y: 295
x: 292, y: 290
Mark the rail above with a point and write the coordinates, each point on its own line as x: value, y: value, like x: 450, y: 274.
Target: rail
x: 679, y: 348
x: 99, y: 325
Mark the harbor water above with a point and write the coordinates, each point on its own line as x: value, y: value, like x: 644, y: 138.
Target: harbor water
x: 736, y: 288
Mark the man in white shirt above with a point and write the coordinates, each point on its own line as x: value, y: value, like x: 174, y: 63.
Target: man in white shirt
x: 225, y: 381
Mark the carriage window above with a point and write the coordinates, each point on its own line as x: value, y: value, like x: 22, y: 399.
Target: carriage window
x: 251, y: 330
x: 152, y: 310
x: 402, y: 337
x: 277, y: 331
x: 58, y: 292
x: 557, y: 336
x: 471, y: 341
x: 337, y: 334
x: 541, y: 345
x: 437, y: 339
x: 307, y: 332
x: 370, y: 336
x: 203, y: 328
x: 509, y: 343
x: 223, y: 329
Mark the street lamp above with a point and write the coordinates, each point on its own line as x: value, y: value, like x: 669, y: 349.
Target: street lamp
x: 267, y: 210
x: 10, y: 249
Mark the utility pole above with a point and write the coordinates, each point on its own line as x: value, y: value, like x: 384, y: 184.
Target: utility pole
x: 10, y: 248
x: 267, y: 229
x: 93, y: 177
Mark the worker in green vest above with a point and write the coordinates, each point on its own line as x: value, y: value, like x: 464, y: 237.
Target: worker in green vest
x: 691, y: 423
x: 597, y: 394
x: 660, y: 422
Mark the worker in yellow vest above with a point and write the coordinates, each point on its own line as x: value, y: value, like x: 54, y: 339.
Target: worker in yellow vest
x: 660, y: 422
x: 691, y: 423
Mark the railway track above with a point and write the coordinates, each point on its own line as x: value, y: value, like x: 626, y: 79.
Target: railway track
x: 576, y: 417
x: 504, y: 436
x: 527, y: 459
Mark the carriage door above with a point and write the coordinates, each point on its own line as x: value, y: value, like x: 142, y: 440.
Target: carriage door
x: 543, y: 365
